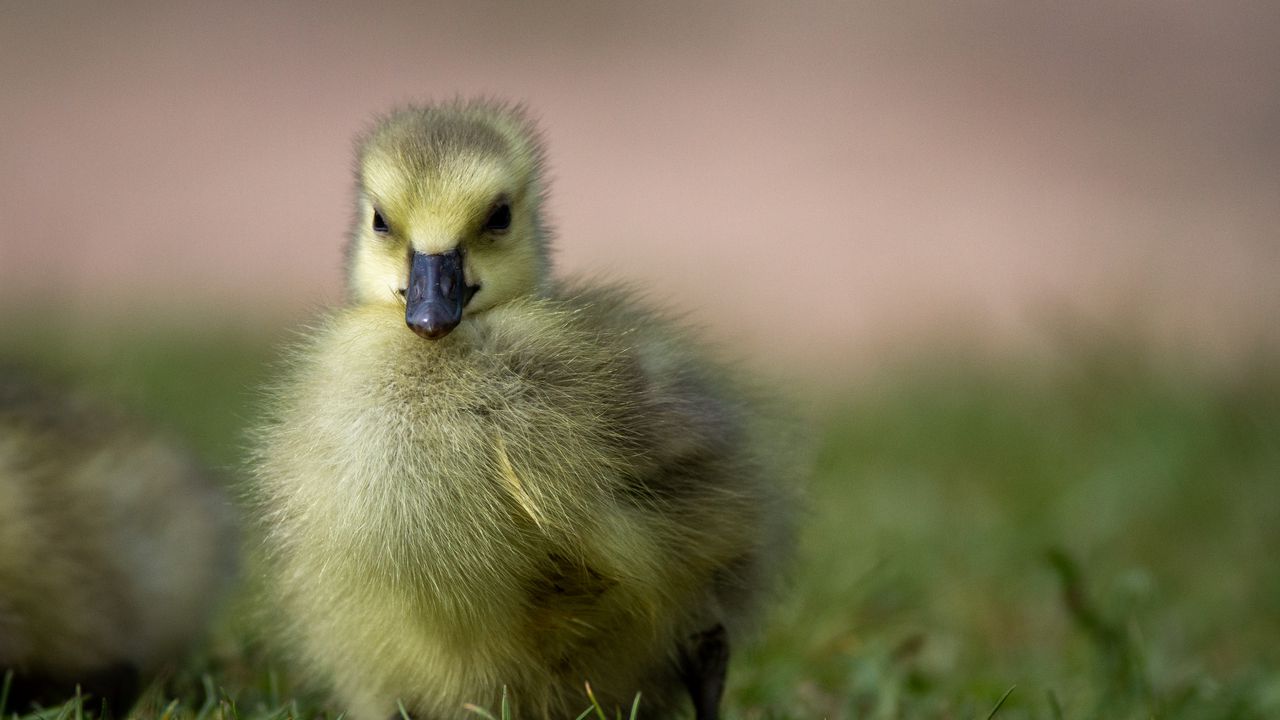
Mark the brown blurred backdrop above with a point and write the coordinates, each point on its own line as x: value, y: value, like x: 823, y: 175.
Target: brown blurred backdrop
x: 811, y: 179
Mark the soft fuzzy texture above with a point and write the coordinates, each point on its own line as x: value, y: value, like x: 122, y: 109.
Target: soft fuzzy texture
x: 114, y: 545
x: 562, y: 490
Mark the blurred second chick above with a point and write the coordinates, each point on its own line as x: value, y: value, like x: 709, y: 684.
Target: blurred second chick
x: 114, y: 547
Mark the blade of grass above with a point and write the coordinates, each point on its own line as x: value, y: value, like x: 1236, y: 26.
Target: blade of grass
x: 167, y: 713
x: 1054, y: 706
x: 1000, y: 702
x: 4, y: 691
x: 595, y: 703
x: 210, y: 697
x: 229, y: 707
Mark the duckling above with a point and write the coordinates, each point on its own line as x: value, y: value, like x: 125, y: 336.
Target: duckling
x: 114, y: 545
x: 479, y: 481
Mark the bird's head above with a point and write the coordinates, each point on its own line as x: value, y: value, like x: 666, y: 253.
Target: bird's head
x: 448, y: 220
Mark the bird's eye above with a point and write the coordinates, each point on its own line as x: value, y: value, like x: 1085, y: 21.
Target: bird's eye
x: 499, y: 218
x: 380, y: 224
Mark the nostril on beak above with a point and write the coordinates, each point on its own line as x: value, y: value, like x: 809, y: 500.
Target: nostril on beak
x: 447, y: 286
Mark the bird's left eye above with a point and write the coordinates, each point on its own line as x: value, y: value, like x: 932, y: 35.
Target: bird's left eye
x: 379, y: 223
x: 499, y: 218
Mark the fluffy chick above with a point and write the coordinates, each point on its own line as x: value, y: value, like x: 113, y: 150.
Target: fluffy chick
x: 114, y: 546
x: 475, y: 477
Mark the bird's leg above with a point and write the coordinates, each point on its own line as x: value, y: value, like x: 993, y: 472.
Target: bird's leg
x: 703, y: 666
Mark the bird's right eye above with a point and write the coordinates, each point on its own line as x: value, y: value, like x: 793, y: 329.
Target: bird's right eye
x: 379, y: 223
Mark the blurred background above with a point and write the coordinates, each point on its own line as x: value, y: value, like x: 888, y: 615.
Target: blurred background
x: 1018, y: 261
x: 815, y: 179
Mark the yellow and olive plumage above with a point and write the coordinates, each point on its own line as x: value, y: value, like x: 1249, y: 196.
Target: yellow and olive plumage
x: 476, y: 477
x: 114, y: 546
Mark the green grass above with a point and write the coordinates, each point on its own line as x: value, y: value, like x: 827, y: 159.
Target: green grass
x: 1091, y: 537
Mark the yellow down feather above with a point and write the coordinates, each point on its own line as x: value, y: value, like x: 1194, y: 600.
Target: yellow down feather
x: 561, y: 490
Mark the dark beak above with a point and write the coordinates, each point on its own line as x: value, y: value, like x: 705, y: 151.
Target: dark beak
x: 437, y: 293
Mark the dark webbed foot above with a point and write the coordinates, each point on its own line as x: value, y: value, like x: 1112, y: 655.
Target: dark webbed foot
x: 704, y: 663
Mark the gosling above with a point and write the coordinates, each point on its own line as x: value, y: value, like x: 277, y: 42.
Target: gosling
x: 114, y: 546
x: 478, y: 481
